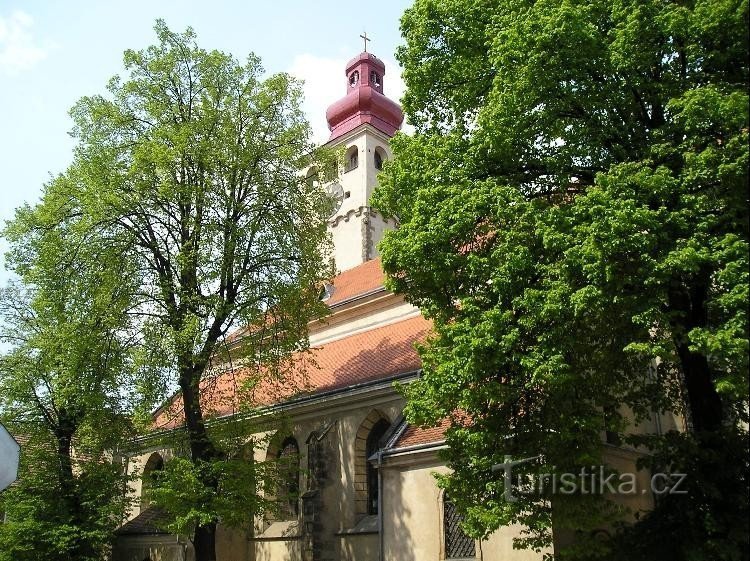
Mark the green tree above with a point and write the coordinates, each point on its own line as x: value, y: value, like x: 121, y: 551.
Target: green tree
x: 573, y: 218
x: 189, y: 171
x: 64, y: 385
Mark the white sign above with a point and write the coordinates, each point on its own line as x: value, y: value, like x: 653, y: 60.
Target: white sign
x: 9, y: 454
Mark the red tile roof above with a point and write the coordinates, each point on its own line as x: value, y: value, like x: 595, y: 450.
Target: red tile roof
x: 362, y: 357
x: 414, y: 436
x: 359, y: 280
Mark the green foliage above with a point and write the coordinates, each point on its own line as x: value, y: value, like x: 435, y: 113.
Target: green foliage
x: 47, y: 519
x: 244, y: 489
x: 574, y: 220
x: 66, y: 390
x: 186, y: 175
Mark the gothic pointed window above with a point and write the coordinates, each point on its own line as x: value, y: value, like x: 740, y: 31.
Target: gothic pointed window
x: 374, y: 443
x: 457, y: 544
x: 287, y: 490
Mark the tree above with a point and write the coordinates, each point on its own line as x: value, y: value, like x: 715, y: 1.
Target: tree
x: 64, y: 387
x: 189, y: 171
x: 573, y: 218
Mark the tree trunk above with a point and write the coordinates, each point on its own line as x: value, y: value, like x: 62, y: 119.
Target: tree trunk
x: 70, y: 499
x: 201, y: 449
x: 204, y: 542
x: 704, y: 403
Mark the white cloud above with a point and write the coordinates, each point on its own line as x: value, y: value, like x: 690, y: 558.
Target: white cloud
x: 325, y: 82
x: 18, y: 49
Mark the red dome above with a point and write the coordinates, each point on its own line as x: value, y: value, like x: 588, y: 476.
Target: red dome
x: 364, y: 101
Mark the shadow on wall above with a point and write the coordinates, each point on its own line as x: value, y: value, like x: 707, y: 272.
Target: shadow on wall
x: 400, y: 524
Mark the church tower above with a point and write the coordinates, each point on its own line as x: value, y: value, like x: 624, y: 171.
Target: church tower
x: 362, y: 124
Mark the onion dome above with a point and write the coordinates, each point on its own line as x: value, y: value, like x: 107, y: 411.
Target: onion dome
x: 364, y: 101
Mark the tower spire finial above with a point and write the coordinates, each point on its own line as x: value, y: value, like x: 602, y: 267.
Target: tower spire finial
x: 366, y: 39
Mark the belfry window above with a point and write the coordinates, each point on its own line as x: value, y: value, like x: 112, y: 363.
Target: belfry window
x: 352, y: 159
x: 374, y: 79
x: 457, y: 544
x: 374, y: 443
x: 354, y: 78
x: 379, y: 158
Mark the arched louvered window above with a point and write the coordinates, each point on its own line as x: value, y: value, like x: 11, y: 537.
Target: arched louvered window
x: 457, y: 544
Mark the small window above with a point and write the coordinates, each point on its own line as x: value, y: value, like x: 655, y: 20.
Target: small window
x: 374, y: 443
x: 374, y: 79
x: 353, y: 78
x: 379, y: 158
x: 457, y: 544
x: 287, y: 490
x: 352, y: 159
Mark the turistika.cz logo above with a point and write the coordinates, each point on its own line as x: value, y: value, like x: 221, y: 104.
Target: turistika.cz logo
x: 588, y: 481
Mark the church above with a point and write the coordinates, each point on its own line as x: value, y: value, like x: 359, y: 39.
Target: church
x: 366, y: 489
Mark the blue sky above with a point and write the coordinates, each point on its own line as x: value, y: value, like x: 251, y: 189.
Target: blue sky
x: 53, y: 53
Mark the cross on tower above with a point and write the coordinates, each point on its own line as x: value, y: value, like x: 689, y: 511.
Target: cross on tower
x: 366, y: 39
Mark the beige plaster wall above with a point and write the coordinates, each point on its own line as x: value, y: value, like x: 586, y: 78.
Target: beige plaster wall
x: 413, y: 519
x: 359, y: 547
x: 276, y: 550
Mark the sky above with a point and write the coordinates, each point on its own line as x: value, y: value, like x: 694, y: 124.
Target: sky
x: 53, y: 53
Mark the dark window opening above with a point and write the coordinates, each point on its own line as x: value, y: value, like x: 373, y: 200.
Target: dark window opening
x: 374, y: 443
x: 353, y: 78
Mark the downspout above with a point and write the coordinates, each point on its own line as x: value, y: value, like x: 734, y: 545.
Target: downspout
x: 380, y: 506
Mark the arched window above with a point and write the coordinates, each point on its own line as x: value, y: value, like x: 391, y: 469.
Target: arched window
x: 374, y: 79
x: 379, y: 158
x: 354, y: 78
x: 457, y: 544
x: 154, y: 464
x: 351, y: 160
x: 287, y: 490
x: 374, y: 443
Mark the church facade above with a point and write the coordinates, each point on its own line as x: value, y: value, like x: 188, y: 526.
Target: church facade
x: 367, y: 490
